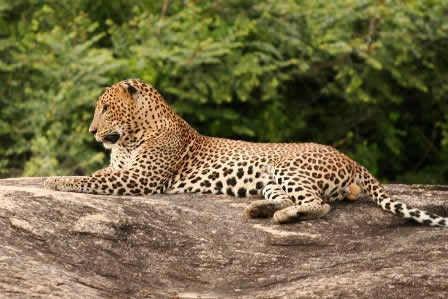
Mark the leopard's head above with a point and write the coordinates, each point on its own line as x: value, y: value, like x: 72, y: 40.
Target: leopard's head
x: 126, y: 110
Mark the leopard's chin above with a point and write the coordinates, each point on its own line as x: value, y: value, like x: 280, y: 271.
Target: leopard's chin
x: 108, y: 145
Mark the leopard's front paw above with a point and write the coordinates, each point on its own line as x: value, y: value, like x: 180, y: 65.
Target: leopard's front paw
x: 52, y: 183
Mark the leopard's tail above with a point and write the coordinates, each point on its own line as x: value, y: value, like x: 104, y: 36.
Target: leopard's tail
x: 375, y: 190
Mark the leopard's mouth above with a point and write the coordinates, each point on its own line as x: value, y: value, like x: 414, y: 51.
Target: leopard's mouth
x: 112, y: 138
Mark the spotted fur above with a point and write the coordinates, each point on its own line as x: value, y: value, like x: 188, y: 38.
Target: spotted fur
x: 153, y: 150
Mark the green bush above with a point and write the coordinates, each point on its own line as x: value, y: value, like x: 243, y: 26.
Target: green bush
x: 369, y: 77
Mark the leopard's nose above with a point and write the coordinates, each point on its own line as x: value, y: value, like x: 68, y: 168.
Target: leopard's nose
x: 93, y: 130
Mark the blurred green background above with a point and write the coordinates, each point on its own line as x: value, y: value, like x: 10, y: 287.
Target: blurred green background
x: 368, y: 77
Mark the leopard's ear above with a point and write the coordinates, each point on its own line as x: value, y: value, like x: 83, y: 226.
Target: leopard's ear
x: 125, y: 87
x: 132, y: 90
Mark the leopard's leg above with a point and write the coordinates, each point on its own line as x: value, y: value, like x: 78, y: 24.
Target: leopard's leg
x: 287, y: 207
x: 311, y: 207
x: 304, y: 196
x: 275, y: 199
x: 308, y: 203
x: 102, y: 171
x: 118, y: 182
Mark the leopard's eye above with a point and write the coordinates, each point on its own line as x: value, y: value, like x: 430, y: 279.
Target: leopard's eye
x: 105, y: 108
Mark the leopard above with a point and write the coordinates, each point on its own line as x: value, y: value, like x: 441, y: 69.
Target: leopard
x: 153, y: 150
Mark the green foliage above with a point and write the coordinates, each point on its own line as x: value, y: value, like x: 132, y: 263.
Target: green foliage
x: 52, y: 78
x: 369, y: 77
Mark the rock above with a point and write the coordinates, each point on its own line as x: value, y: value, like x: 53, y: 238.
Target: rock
x: 71, y: 245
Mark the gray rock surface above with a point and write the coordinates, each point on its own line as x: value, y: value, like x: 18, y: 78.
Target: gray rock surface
x: 70, y: 245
